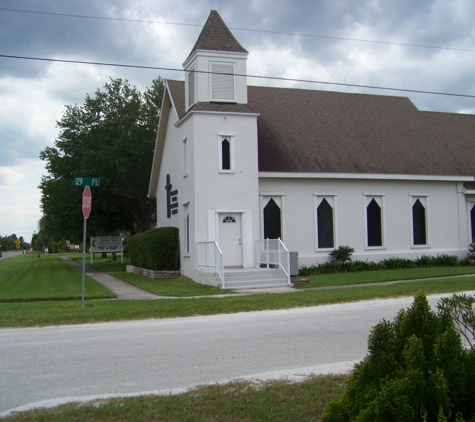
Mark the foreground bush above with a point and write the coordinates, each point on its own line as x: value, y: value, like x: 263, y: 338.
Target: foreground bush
x: 461, y: 308
x: 155, y: 249
x: 416, y: 370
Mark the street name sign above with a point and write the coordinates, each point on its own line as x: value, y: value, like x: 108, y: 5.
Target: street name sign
x: 87, y: 181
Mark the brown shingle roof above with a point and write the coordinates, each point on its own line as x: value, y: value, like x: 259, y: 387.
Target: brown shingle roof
x: 216, y: 36
x: 332, y: 132
x: 177, y: 90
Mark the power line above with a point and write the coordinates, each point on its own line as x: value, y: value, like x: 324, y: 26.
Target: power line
x: 241, y: 29
x: 275, y: 78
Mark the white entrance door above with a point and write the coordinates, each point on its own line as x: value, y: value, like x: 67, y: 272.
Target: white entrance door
x: 230, y: 239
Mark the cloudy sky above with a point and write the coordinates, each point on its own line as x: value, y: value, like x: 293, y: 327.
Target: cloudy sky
x: 424, y: 45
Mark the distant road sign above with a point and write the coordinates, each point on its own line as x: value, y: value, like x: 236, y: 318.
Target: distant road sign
x: 87, y: 181
x: 86, y: 202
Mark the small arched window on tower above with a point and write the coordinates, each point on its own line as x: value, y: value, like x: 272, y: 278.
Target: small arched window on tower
x: 226, y: 154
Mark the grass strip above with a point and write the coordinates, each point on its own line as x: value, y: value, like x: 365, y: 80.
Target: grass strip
x: 178, y: 287
x: 58, y: 313
x: 106, y: 265
x: 28, y: 278
x: 363, y: 277
x: 236, y: 401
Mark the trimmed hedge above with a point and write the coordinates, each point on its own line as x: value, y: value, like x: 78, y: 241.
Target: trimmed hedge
x: 425, y: 261
x: 155, y: 249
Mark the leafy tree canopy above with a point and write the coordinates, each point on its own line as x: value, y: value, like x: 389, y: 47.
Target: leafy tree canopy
x: 110, y: 136
x: 8, y: 243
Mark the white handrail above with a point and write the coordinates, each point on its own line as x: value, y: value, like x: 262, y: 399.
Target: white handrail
x: 211, y: 256
x: 273, y: 252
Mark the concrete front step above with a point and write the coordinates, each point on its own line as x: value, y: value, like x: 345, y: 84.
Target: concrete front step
x: 252, y: 279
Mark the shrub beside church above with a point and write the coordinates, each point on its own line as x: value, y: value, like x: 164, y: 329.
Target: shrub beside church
x: 155, y: 249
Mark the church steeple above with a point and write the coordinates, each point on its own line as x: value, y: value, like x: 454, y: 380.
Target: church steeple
x: 216, y: 66
x: 216, y: 36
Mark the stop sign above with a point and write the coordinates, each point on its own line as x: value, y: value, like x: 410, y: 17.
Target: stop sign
x: 86, y: 202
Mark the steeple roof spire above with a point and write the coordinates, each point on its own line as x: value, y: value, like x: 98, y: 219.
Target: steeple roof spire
x: 216, y: 36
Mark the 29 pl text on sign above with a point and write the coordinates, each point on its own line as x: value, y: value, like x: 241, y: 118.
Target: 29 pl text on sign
x: 87, y: 181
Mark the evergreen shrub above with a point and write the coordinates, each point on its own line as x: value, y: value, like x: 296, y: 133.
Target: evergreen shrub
x: 445, y: 260
x: 397, y: 263
x: 156, y: 249
x: 342, y: 254
x: 471, y: 253
x: 425, y: 261
x: 416, y: 370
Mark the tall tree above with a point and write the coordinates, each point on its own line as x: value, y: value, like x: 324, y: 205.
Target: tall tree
x: 110, y: 136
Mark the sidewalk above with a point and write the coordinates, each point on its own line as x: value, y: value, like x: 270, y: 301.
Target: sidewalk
x: 120, y: 288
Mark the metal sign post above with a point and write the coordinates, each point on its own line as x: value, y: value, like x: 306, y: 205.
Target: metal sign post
x: 86, y: 210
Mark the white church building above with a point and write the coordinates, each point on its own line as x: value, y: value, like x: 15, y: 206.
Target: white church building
x: 236, y: 164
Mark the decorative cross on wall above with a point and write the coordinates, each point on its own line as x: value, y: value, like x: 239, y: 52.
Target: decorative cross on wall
x: 168, y: 188
x: 172, y: 198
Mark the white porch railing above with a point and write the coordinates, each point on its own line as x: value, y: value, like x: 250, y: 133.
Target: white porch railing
x: 211, y: 257
x: 273, y: 252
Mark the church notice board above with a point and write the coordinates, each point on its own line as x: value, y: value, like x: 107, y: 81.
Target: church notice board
x: 105, y: 244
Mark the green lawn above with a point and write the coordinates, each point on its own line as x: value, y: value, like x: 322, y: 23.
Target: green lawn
x: 100, y: 264
x: 237, y: 401
x: 363, y: 277
x: 70, y: 312
x: 54, y: 286
x: 28, y: 278
x: 180, y: 286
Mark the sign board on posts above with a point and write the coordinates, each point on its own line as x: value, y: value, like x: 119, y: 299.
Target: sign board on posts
x: 106, y: 244
x: 86, y: 202
x: 87, y: 181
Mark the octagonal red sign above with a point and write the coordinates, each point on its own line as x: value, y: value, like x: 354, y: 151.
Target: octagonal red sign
x: 86, y: 202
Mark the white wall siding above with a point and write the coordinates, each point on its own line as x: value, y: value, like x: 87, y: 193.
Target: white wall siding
x: 444, y: 230
x: 230, y: 191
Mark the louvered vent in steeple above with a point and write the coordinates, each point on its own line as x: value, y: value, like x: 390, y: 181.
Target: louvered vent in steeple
x: 222, y: 82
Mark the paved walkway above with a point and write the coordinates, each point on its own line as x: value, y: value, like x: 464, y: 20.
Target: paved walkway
x: 120, y: 288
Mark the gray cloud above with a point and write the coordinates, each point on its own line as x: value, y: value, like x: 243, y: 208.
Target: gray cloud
x: 33, y: 94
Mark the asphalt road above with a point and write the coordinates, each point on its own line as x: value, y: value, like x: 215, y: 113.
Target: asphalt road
x: 9, y: 254
x: 52, y: 365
